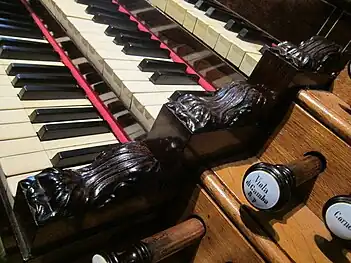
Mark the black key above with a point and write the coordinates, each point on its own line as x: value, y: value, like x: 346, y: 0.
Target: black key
x: 134, y: 34
x: 126, y: 120
x: 85, y: 68
x: 219, y: 14
x: 152, y: 65
x: 33, y: 92
x: 124, y: 38
x: 116, y: 106
x: 103, y: 18
x: 95, y: 9
x: 93, y: 77
x: 116, y: 29
x: 11, y: 52
x: 147, y: 43
x: 13, y: 8
x: 104, y: 5
x: 255, y: 36
x: 63, y: 114
x: 206, y: 4
x: 191, y: 1
x: 101, y: 87
x: 15, y: 22
x: 15, y: 16
x: 126, y: 24
x: 62, y: 79
x: 8, y: 41
x: 139, y: 50
x: 173, y: 78
x: 135, y: 4
x: 79, y: 156
x: 19, y: 31
x: 89, y: 2
x: 17, y: 68
x: 68, y: 130
x: 235, y: 25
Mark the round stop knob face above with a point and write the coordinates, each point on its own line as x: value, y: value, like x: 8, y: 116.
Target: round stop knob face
x: 338, y: 219
x: 261, y: 189
x: 98, y: 259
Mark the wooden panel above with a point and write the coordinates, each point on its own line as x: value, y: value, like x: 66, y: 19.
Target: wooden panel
x: 342, y: 86
x: 241, y: 219
x: 292, y: 20
x: 338, y: 33
x: 298, y: 232
x: 297, y: 229
x: 329, y: 109
x: 222, y: 242
x: 301, y: 133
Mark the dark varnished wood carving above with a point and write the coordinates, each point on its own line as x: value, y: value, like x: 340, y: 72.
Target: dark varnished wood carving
x: 292, y: 20
x: 315, y: 54
x: 112, y: 176
x: 127, y: 179
x: 231, y: 106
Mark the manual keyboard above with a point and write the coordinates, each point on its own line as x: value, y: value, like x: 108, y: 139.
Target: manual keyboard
x: 45, y: 118
x: 117, y: 48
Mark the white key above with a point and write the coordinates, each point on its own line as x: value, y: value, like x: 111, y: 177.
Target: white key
x: 16, y: 131
x: 177, y: 9
x: 211, y: 31
x: 26, y: 39
x: 70, y: 8
x: 153, y: 110
x: 6, y: 62
x: 142, y: 100
x: 7, y: 91
x: 249, y: 63
x: 54, y: 103
x: 5, y: 80
x: 13, y: 116
x: 20, y: 146
x: 10, y: 103
x: 25, y: 163
x: 131, y: 87
x: 161, y: 4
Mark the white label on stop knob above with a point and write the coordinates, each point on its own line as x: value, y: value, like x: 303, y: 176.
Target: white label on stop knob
x: 261, y: 189
x: 338, y: 220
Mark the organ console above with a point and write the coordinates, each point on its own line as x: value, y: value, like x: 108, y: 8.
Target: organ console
x: 119, y: 119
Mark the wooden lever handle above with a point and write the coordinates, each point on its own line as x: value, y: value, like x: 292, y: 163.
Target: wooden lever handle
x: 159, y: 246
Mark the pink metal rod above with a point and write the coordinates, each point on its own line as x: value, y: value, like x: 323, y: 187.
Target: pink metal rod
x: 92, y: 96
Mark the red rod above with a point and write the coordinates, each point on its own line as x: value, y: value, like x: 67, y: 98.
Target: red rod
x: 92, y: 96
x: 204, y: 83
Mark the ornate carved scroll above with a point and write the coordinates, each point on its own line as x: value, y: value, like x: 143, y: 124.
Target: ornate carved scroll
x: 114, y: 175
x: 315, y: 54
x: 234, y: 105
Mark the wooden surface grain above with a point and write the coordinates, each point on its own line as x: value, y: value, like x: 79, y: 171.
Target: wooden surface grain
x: 297, y: 230
x: 342, y: 87
x: 222, y: 241
x: 240, y: 218
x: 330, y: 110
x: 300, y: 133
